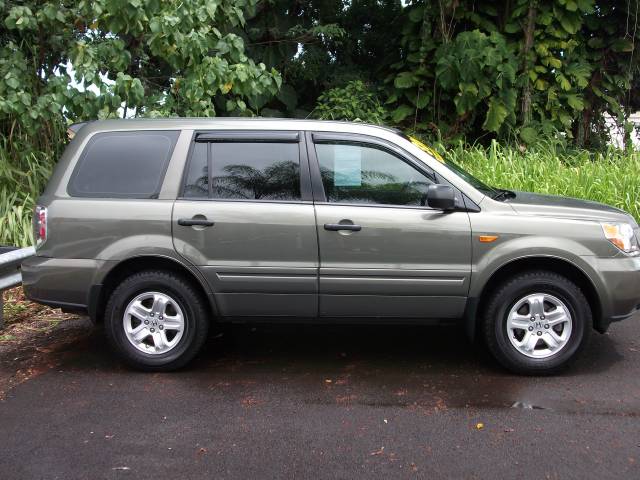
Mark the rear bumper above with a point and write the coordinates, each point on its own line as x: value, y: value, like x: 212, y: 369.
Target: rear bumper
x: 60, y: 283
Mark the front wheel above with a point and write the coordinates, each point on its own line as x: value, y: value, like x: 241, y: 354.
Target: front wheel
x: 156, y: 321
x: 536, y: 322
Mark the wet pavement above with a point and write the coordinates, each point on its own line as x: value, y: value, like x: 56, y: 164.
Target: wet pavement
x: 319, y: 402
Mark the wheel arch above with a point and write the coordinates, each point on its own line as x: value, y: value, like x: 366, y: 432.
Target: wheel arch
x: 514, y: 267
x: 99, y: 294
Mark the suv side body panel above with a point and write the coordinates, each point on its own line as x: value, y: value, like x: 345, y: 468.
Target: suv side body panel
x: 576, y: 241
x: 260, y: 258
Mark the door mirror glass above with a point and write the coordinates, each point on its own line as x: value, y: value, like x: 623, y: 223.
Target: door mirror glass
x: 441, y: 197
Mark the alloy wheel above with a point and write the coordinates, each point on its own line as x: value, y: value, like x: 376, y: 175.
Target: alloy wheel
x: 539, y: 325
x: 153, y: 322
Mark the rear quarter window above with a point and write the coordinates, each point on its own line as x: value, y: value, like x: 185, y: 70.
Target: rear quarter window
x: 123, y: 164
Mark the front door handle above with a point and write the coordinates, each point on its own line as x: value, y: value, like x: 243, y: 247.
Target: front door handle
x: 191, y: 222
x: 336, y: 227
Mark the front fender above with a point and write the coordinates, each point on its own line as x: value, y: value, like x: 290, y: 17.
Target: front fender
x: 491, y: 260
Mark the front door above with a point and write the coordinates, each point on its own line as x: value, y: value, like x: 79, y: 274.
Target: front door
x: 246, y: 219
x: 383, y: 253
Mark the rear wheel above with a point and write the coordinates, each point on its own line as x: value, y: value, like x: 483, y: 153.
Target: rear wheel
x: 156, y: 321
x: 536, y: 322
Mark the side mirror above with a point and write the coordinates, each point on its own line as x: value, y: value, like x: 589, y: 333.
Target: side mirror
x: 441, y: 197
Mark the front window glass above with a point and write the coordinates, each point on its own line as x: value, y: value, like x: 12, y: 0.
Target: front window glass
x: 356, y: 173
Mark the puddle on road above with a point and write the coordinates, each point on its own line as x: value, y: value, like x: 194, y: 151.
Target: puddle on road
x: 527, y: 406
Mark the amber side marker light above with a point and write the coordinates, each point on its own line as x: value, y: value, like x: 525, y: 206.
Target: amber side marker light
x: 487, y: 238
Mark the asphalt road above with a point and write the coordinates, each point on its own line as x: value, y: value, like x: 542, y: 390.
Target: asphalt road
x: 319, y: 402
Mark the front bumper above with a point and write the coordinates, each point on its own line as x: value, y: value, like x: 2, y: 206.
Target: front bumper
x: 619, y: 289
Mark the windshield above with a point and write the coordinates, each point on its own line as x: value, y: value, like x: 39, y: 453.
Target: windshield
x: 478, y: 184
x: 455, y: 168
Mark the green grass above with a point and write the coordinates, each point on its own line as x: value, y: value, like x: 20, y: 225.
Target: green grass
x: 611, y: 177
x: 22, y: 179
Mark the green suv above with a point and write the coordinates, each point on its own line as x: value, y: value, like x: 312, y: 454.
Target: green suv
x: 157, y: 228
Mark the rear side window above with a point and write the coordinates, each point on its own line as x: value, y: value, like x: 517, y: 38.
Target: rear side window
x: 123, y: 164
x: 244, y: 170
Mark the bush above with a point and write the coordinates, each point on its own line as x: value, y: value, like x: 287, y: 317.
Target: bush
x: 355, y: 102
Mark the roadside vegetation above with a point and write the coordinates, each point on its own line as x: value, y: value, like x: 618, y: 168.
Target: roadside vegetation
x: 519, y: 92
x: 22, y: 180
x: 610, y: 176
x: 24, y: 319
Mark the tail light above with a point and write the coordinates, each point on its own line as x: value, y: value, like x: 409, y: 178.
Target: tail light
x: 40, y: 225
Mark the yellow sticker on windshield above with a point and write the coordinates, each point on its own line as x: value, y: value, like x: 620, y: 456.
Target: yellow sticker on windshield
x: 426, y: 149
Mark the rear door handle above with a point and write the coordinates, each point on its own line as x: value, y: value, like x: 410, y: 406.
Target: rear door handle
x: 190, y: 222
x: 336, y: 227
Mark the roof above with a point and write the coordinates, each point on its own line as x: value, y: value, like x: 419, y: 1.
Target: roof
x: 238, y: 123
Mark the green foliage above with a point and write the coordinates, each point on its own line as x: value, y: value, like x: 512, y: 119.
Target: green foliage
x: 65, y: 61
x: 481, y: 72
x: 20, y: 184
x: 532, y: 67
x: 170, y: 57
x: 512, y: 70
x: 318, y: 45
x: 354, y: 102
x: 611, y: 176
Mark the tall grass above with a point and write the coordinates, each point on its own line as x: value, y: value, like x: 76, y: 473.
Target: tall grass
x: 22, y: 178
x: 611, y: 176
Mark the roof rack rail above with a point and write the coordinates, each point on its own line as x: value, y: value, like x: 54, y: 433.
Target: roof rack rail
x: 75, y: 128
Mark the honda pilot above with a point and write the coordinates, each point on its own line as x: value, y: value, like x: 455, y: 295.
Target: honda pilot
x: 160, y: 228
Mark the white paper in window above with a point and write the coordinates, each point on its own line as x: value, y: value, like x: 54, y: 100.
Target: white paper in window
x: 347, y: 166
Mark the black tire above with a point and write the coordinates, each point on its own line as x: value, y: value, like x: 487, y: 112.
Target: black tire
x: 196, y: 322
x: 505, y: 296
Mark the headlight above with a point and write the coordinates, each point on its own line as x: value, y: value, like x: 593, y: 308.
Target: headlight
x: 622, y: 236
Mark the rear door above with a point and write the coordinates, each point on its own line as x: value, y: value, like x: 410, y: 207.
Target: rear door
x: 245, y: 217
x: 383, y: 252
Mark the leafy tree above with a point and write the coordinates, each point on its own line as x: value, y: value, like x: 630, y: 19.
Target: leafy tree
x: 126, y: 57
x: 453, y: 67
x: 318, y: 45
x: 537, y: 66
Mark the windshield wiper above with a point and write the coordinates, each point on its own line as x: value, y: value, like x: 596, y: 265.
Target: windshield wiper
x: 504, y: 194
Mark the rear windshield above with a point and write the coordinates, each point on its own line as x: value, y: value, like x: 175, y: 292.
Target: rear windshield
x: 123, y: 164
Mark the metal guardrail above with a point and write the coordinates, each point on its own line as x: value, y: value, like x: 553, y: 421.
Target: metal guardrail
x: 10, y: 275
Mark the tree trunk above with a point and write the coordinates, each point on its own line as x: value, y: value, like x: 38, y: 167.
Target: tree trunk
x: 529, y: 30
